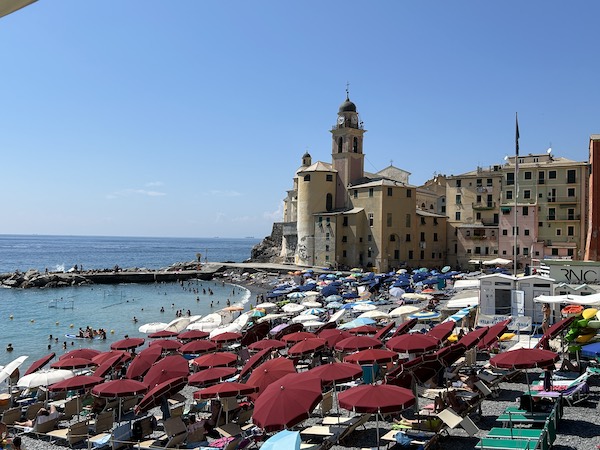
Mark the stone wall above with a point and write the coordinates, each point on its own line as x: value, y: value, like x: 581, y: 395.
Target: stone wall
x: 269, y: 249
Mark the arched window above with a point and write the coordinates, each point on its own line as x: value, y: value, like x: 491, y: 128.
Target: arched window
x: 423, y: 205
x: 340, y: 142
x: 329, y: 202
x: 306, y: 177
x: 355, y: 145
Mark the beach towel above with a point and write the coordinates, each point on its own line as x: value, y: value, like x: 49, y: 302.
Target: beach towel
x: 402, y: 439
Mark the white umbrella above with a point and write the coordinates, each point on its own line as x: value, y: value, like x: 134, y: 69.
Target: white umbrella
x: 7, y: 370
x: 231, y: 328
x: 338, y: 315
x: 304, y: 318
x: 312, y: 293
x: 271, y: 317
x: 178, y: 325
x: 404, y: 310
x: 293, y: 307
x: 397, y: 292
x: 312, y: 304
x: 415, y: 296
x: 152, y: 327
x: 364, y: 307
x: 375, y: 314
x: 266, y: 305
x: 44, y: 378
x: 312, y: 324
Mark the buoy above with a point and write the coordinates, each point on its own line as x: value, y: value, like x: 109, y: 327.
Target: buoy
x: 112, y: 331
x: 71, y: 326
x: 32, y: 320
x: 11, y: 317
x: 57, y: 323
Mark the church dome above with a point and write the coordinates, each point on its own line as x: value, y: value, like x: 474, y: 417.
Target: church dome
x: 347, y: 106
x: 306, y: 155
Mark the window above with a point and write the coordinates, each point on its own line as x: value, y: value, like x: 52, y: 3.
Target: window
x: 407, y: 237
x: 306, y: 177
x: 327, y: 248
x: 355, y: 145
x: 458, y: 199
x: 407, y: 223
x: 571, y: 192
x: 435, y: 237
x: 396, y: 254
x: 571, y: 176
x: 527, y: 175
x: 345, y: 221
x: 390, y: 191
x: 369, y: 254
x: 328, y: 203
x: 422, y: 254
x: 551, y: 213
x: 525, y: 251
x: 570, y: 230
x: 326, y: 257
x: 328, y: 220
x: 510, y: 178
x: 369, y: 238
x: 389, y: 219
x: 570, y: 214
x: 525, y: 210
x: 410, y: 254
x: 490, y: 182
x: 554, y: 252
x: 370, y: 192
x: 408, y: 193
x: 570, y: 252
x: 526, y: 231
x: 370, y: 219
x: 478, y: 199
x: 435, y: 221
x: 479, y: 182
x: 509, y: 195
x: 457, y: 215
x: 320, y: 221
x: 344, y: 238
x: 552, y: 174
x: 477, y: 250
x: 326, y: 236
x: 344, y: 253
x: 458, y: 183
x: 504, y: 232
x: 559, y: 232
x: 329, y: 177
x: 422, y: 220
x: 392, y: 238
x: 541, y: 177
x: 526, y: 193
x: 340, y: 145
x: 478, y: 216
x: 422, y: 236
x: 355, y: 193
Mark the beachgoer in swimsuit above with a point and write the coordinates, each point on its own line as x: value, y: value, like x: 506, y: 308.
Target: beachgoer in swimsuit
x: 546, y: 317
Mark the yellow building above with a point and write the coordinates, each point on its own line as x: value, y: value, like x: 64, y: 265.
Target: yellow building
x: 338, y: 215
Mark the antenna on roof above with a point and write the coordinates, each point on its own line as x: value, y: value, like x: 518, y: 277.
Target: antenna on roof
x: 347, y: 90
x: 549, y: 148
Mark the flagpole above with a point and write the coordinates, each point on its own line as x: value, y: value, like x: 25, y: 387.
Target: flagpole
x: 515, y: 231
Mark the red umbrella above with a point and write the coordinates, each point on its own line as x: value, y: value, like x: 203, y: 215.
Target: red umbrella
x: 383, y: 332
x: 442, y: 330
x: 119, y: 388
x: 87, y: 353
x: 72, y: 363
x: 268, y: 344
x: 371, y: 356
x: 173, y: 366
x: 287, y: 402
x: 197, y: 346
x: 153, y: 396
x: 337, y: 372
x: 493, y: 333
x: 472, y: 337
x: 76, y: 383
x: 333, y: 336
x: 226, y: 337
x: 191, y: 335
x: 524, y: 358
x: 363, y: 329
x: 223, y: 390
x: 307, y: 346
x: 163, y: 334
x: 166, y: 344
x: 412, y: 343
x: 101, y: 357
x: 298, y: 336
x: 270, y: 371
x: 215, y: 360
x: 355, y: 343
x: 254, y: 361
x: 142, y: 362
x: 110, y: 363
x: 212, y: 375
x: 127, y: 344
x: 37, y: 365
x: 404, y: 327
x: 376, y: 398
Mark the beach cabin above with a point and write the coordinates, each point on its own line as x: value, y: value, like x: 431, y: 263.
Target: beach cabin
x: 505, y: 295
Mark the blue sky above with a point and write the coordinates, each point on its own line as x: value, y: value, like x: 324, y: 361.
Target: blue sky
x: 189, y: 118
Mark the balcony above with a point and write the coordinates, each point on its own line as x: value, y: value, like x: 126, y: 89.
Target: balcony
x: 476, y: 237
x: 484, y: 205
x: 563, y: 217
x: 555, y: 199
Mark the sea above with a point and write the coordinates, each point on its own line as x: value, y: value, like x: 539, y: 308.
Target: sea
x: 36, y: 321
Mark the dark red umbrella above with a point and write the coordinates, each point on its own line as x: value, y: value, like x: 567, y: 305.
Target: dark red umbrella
x: 172, y: 366
x: 412, y: 343
x: 372, y: 356
x: 86, y: 353
x: 383, y: 332
x: 268, y: 344
x: 72, y: 363
x: 191, y: 335
x: 473, y: 337
x: 333, y: 336
x: 287, y: 402
x: 153, y: 396
x: 363, y: 329
x: 166, y: 344
x: 223, y: 390
x: 119, y: 388
x: 492, y: 335
x: 270, y: 371
x: 127, y: 344
x: 101, y: 357
x: 376, y: 399
x: 442, y: 331
x: 226, y: 337
x: 215, y: 360
x: 298, y: 336
x: 37, y: 365
x: 355, y: 343
x: 76, y: 383
x: 163, y: 334
x: 212, y: 375
x: 306, y: 347
x: 337, y: 372
x: 254, y: 361
x: 142, y: 362
x: 197, y: 346
x: 110, y: 363
x: 524, y: 358
x: 404, y: 327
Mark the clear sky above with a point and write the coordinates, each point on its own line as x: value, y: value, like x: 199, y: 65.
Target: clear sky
x: 189, y: 118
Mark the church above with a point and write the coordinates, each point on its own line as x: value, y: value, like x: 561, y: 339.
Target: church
x: 337, y: 215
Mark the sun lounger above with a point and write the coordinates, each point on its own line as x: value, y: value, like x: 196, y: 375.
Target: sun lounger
x: 118, y: 438
x: 353, y: 426
x: 76, y: 433
x: 175, y: 434
x: 12, y: 415
x: 505, y: 444
x: 42, y: 424
x: 33, y: 409
x: 390, y: 437
x: 572, y: 396
x: 103, y: 422
x: 452, y: 419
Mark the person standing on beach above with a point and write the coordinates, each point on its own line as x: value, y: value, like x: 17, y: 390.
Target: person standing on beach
x: 545, y: 317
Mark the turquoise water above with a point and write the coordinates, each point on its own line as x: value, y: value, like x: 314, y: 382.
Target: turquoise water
x: 111, y: 307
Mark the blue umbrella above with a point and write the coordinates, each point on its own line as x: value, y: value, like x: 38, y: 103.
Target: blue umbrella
x: 285, y: 439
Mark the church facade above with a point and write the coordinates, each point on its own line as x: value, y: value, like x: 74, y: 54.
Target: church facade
x: 337, y: 215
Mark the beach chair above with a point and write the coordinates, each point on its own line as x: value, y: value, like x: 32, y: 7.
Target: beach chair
x: 76, y: 433
x: 326, y: 403
x: 452, y: 419
x: 32, y: 410
x: 71, y: 407
x: 118, y: 438
x: 103, y: 422
x: 12, y: 415
x: 42, y: 424
x: 175, y: 435
x: 129, y: 403
x: 346, y: 432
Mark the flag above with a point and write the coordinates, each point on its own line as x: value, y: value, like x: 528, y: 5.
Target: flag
x: 517, y: 135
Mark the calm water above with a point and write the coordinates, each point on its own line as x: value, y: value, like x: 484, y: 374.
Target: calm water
x: 37, y: 313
